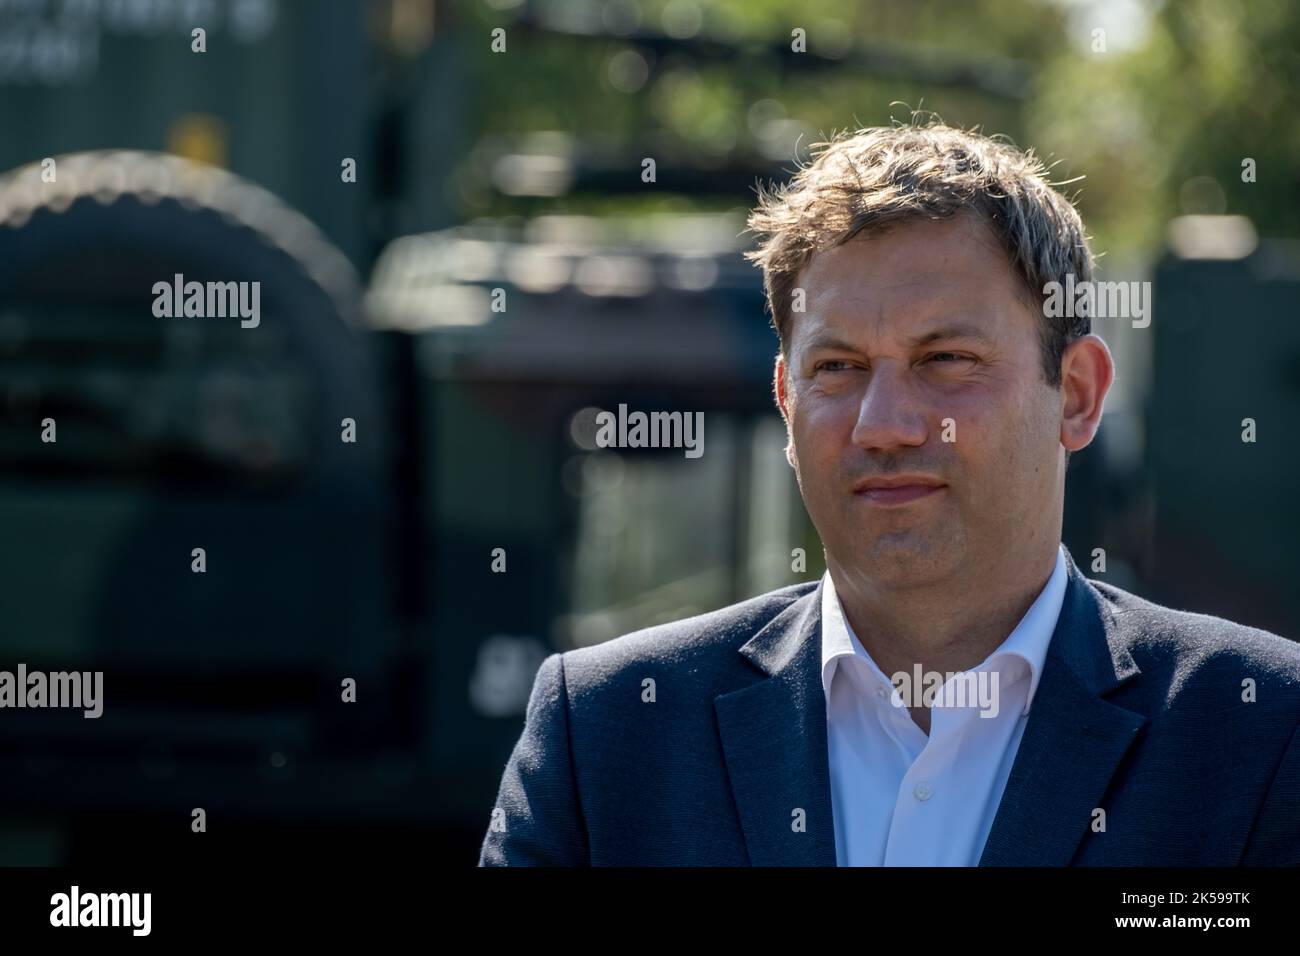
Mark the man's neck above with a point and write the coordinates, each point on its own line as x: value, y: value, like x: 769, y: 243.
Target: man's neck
x: 948, y: 627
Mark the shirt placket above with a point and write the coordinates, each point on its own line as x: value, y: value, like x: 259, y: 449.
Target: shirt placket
x: 916, y: 829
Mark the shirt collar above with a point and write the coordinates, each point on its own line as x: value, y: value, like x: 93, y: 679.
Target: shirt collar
x: 1028, y: 640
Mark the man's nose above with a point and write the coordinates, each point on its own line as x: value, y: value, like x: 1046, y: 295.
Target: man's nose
x: 890, y: 414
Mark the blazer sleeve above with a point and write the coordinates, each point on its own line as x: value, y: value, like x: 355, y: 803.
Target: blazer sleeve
x: 1275, y: 836
x: 537, y: 820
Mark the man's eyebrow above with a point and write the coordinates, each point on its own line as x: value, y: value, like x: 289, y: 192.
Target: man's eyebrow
x: 830, y: 343
x: 957, y: 331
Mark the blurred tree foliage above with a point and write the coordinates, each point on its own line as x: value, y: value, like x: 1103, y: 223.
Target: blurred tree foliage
x: 1156, y: 111
x: 1162, y: 128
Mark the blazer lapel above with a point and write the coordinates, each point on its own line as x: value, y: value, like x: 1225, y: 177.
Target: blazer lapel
x: 1073, y: 740
x: 774, y: 741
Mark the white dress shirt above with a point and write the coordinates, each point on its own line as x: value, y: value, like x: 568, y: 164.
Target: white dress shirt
x: 900, y: 797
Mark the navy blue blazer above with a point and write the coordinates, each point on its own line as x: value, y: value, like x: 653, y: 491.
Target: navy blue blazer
x: 1138, y: 711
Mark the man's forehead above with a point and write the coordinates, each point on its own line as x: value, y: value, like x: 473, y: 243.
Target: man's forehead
x: 917, y: 303
x: 934, y: 276
x: 911, y: 254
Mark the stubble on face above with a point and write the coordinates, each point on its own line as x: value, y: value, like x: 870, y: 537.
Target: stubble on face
x: 870, y: 396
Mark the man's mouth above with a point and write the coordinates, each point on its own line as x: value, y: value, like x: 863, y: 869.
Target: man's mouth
x: 901, y: 490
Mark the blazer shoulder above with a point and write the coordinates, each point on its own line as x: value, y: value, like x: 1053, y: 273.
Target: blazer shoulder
x: 1154, y: 631
x: 701, y: 644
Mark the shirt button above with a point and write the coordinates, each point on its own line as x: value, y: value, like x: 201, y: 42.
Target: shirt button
x: 923, y: 791
x: 880, y: 692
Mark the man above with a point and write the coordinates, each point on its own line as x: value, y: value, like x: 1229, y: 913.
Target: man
x: 931, y: 403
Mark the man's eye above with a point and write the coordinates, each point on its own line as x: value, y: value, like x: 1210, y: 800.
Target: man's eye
x: 831, y: 365
x: 949, y: 356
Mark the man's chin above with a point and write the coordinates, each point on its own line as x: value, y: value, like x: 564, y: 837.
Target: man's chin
x: 902, y: 561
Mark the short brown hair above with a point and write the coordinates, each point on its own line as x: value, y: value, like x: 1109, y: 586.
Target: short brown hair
x: 869, y: 180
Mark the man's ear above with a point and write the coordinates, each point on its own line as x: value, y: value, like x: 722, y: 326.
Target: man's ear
x: 780, y: 383
x: 779, y: 389
x: 1087, y: 371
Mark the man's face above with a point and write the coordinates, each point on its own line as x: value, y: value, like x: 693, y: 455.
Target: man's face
x: 909, y: 338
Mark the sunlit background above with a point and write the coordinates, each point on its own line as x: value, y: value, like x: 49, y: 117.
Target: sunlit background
x: 521, y: 171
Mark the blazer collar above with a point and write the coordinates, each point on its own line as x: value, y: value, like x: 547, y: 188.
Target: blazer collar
x: 1074, y: 738
x: 773, y: 735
